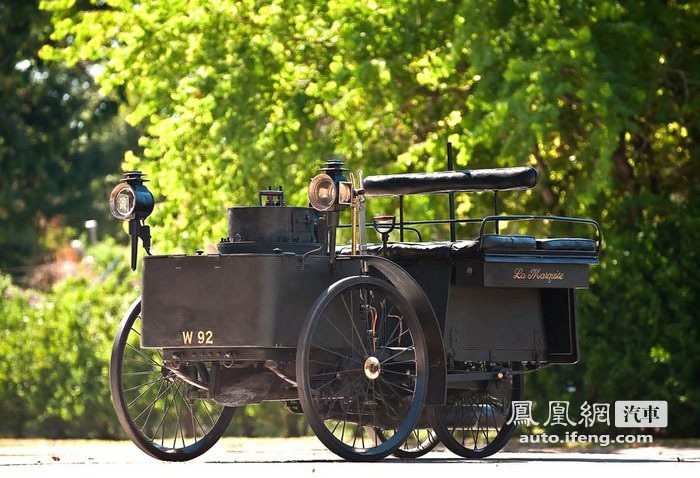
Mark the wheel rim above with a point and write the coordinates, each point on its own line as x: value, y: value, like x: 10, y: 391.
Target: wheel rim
x: 156, y: 408
x: 362, y: 359
x: 475, y: 422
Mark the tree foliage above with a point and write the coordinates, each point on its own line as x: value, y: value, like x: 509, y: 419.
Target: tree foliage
x: 59, y: 138
x: 600, y: 96
x: 56, y: 346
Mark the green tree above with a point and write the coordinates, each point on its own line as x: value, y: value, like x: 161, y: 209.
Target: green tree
x: 54, y: 378
x: 59, y: 138
x: 601, y: 97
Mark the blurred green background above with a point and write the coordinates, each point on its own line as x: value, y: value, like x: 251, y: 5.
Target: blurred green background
x: 214, y: 100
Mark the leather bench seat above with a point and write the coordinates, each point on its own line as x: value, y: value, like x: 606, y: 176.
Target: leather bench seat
x: 446, y: 249
x: 499, y: 241
x: 409, y: 250
x: 466, y: 248
x: 566, y: 244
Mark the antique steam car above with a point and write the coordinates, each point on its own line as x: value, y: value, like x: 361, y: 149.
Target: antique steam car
x: 386, y: 348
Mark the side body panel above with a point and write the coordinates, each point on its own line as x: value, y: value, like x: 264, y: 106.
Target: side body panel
x: 241, y: 300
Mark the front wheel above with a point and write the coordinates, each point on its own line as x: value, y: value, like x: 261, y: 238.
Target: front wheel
x: 162, y: 414
x: 361, y: 365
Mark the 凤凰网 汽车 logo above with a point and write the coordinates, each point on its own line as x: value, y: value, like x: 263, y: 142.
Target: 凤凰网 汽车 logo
x: 642, y: 414
x: 628, y: 414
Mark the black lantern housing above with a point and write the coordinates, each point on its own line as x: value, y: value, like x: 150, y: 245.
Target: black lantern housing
x: 330, y: 190
x: 130, y: 200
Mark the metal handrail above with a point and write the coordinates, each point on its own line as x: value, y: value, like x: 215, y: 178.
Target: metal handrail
x: 440, y: 221
x: 483, y: 221
x: 369, y: 226
x: 591, y: 222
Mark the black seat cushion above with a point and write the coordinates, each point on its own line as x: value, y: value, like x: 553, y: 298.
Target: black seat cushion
x: 396, y: 251
x: 499, y: 241
x: 464, y: 248
x: 407, y: 250
x: 566, y: 244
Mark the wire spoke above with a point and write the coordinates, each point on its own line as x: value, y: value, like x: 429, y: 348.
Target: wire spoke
x: 338, y: 354
x: 142, y: 384
x: 129, y: 359
x: 352, y: 323
x: 412, y: 347
x: 142, y: 372
x: 154, y: 401
x: 337, y: 372
x: 343, y: 335
x: 143, y: 355
x: 145, y: 422
x: 140, y: 394
x: 208, y: 413
x: 194, y: 420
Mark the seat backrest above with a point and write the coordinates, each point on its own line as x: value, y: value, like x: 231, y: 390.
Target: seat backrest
x: 450, y: 181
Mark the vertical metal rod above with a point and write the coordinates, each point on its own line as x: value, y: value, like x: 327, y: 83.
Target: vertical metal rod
x: 450, y: 167
x: 134, y: 233
x: 354, y: 203
x: 495, y: 209
x: 385, y: 241
x: 361, y: 221
x: 333, y: 219
x: 401, y: 217
x: 353, y: 216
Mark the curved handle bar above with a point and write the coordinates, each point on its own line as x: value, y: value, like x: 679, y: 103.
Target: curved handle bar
x: 590, y: 222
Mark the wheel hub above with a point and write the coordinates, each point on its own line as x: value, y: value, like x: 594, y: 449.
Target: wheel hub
x: 372, y: 368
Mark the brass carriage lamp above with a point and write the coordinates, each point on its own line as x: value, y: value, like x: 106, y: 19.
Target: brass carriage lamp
x: 130, y: 200
x: 330, y: 190
x: 384, y: 224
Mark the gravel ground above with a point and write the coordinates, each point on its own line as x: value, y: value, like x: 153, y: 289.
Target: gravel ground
x: 307, y: 457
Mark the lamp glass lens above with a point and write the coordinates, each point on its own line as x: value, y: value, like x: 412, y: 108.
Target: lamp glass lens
x: 344, y: 192
x: 322, y: 192
x: 122, y: 201
x: 125, y: 202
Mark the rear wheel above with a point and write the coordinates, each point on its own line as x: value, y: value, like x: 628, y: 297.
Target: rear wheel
x: 419, y: 442
x: 361, y: 365
x: 474, y: 422
x: 164, y: 415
